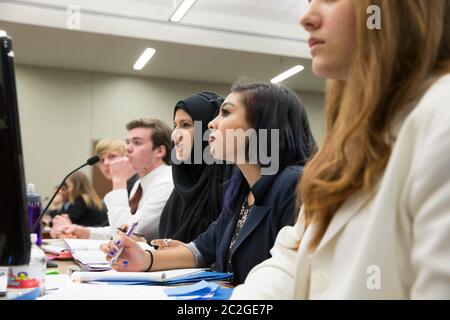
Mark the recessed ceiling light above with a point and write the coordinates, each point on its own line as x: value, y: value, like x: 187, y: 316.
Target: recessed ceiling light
x: 287, y: 74
x: 182, y: 9
x: 144, y: 58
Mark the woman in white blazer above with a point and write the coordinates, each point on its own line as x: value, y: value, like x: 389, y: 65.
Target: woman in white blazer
x: 375, y: 220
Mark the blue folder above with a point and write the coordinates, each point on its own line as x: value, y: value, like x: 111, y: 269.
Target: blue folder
x: 200, y: 291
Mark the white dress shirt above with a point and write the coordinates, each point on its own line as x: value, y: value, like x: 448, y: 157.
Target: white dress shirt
x: 394, y: 245
x: 156, y: 189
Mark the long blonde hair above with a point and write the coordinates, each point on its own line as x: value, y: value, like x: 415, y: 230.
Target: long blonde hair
x: 82, y: 187
x: 389, y: 70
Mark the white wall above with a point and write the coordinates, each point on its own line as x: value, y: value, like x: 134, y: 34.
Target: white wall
x: 313, y: 103
x: 63, y: 111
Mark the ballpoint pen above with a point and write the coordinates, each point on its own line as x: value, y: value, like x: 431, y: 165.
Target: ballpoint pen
x: 137, y: 234
x: 129, y: 233
x: 140, y: 235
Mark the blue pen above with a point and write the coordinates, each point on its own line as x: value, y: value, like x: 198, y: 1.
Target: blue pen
x: 129, y: 233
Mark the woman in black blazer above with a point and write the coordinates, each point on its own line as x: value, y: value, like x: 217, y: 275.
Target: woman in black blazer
x: 83, y: 207
x: 264, y: 130
x: 273, y: 208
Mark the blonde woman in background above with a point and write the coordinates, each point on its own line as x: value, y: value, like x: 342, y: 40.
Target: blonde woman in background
x: 375, y: 223
x: 85, y: 207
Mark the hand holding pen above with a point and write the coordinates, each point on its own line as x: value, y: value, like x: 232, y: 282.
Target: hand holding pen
x: 136, y: 236
x: 119, y: 252
x: 127, y: 254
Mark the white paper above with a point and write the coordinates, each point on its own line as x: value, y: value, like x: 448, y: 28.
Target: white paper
x: 53, y: 249
x: 90, y: 257
x: 56, y: 282
x: 83, y: 291
x: 89, y: 244
x: 84, y: 244
x: 87, y: 252
x: 112, y: 275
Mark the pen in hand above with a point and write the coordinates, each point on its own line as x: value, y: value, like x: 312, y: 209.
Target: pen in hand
x: 137, y: 234
x: 129, y: 233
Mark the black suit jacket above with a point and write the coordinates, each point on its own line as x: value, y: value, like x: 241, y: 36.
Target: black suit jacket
x: 274, y: 208
x: 87, y: 216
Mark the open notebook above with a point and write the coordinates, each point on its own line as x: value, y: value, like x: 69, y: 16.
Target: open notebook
x: 88, y: 255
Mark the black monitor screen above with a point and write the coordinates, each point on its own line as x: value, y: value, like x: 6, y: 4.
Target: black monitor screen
x: 14, y: 230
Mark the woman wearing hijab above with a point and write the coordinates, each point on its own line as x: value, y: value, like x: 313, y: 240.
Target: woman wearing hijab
x: 197, y: 198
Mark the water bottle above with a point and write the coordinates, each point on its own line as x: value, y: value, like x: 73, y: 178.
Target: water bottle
x: 31, y: 277
x: 34, y: 210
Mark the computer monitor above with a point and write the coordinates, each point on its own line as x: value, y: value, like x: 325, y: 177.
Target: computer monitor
x: 14, y: 228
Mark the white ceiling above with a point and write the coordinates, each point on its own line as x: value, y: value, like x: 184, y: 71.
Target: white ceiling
x: 217, y: 41
x: 269, y: 17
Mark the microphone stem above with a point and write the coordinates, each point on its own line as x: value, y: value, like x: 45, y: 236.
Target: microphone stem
x: 38, y: 221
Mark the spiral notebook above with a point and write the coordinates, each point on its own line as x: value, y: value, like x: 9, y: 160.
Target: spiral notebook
x: 88, y: 255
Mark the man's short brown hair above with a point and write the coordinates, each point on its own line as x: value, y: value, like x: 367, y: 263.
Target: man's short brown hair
x: 160, y: 136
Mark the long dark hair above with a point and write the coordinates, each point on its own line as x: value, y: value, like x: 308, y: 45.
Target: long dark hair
x: 271, y: 106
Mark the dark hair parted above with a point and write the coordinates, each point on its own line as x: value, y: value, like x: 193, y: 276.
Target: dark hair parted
x: 271, y: 106
x: 160, y: 134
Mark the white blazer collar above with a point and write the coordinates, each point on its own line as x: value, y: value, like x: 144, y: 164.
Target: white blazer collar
x: 350, y: 207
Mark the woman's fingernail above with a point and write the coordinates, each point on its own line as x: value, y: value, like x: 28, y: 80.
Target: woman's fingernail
x: 125, y: 262
x: 118, y: 242
x: 112, y: 253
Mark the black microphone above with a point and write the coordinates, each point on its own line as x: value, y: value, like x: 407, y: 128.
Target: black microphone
x: 90, y: 162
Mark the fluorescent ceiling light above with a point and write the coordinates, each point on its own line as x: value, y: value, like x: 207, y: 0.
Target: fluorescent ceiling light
x: 182, y: 10
x: 287, y: 74
x: 144, y: 58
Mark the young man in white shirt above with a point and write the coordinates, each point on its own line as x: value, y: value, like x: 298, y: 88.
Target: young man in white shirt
x: 148, y: 154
